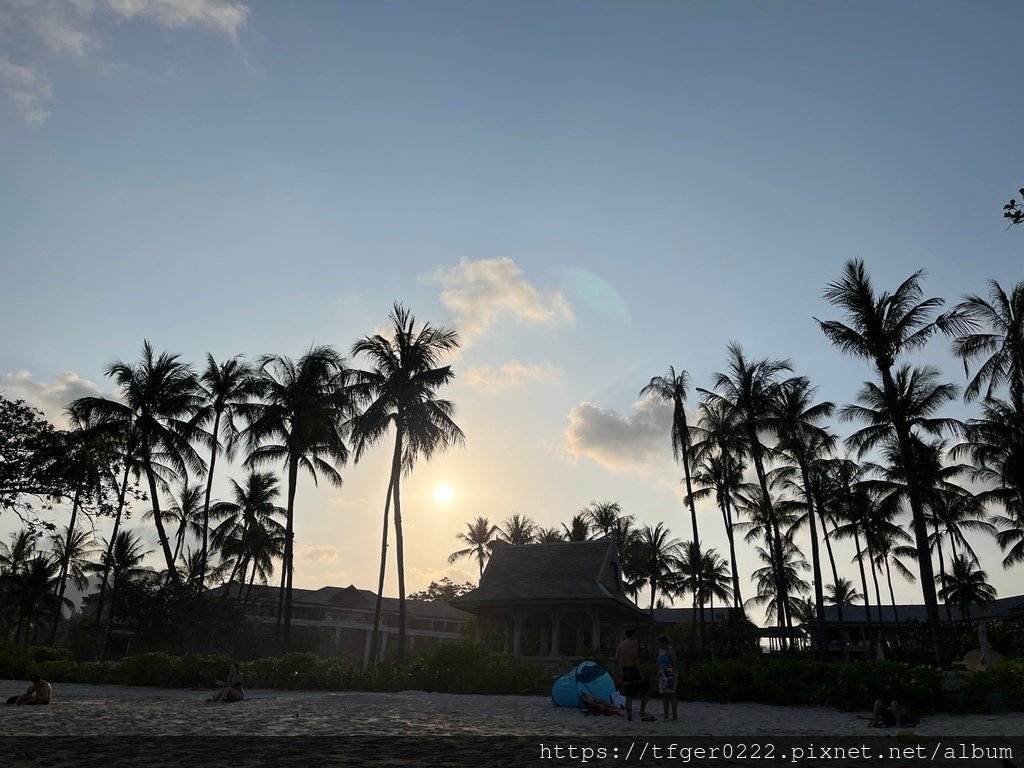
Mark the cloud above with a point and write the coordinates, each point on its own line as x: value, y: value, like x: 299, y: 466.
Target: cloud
x: 77, y: 28
x: 492, y: 379
x: 28, y: 89
x: 50, y: 397
x: 480, y: 293
x: 634, y: 442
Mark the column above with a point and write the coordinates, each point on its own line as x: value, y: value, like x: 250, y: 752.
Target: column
x: 556, y: 633
x: 595, y: 629
x: 366, y: 647
x: 517, y: 633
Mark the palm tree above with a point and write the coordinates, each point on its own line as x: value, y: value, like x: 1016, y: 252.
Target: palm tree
x: 992, y: 329
x: 33, y: 590
x: 842, y: 592
x: 602, y: 516
x: 750, y: 388
x: 715, y: 579
x: 224, y: 390
x: 881, y: 329
x: 71, y: 550
x: 673, y: 388
x: 21, y: 549
x: 578, y: 528
x: 186, y: 512
x: 967, y: 585
x: 123, y: 567
x: 157, y: 400
x: 480, y: 536
x: 401, y: 389
x: 793, y: 585
x: 249, y: 531
x: 720, y: 468
x: 517, y: 530
x: 793, y: 419
x: 300, y: 423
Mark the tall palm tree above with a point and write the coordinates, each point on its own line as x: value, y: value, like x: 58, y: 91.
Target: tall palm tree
x: 967, y: 585
x: 750, y: 388
x: 299, y: 422
x: 157, y: 400
x: 224, y: 390
x: 401, y: 388
x: 880, y: 329
x: 71, y: 550
x: 793, y: 418
x: 793, y: 585
x: 673, y: 388
x: 186, y: 511
x: 480, y: 536
x: 718, y: 452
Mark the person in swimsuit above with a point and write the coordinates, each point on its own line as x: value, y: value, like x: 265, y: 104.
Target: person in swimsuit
x: 230, y: 689
x: 38, y: 693
x: 627, y: 656
x: 667, y: 666
x: 895, y: 714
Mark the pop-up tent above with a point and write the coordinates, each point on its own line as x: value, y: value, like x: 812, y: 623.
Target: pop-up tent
x: 586, y: 677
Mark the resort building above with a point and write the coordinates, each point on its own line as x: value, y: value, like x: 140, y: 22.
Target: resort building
x: 544, y: 601
x: 346, y: 613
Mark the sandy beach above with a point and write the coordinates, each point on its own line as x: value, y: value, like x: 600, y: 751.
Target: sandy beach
x: 411, y: 727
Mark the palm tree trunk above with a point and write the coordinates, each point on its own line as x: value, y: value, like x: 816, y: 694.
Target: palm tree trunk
x: 781, y: 593
x: 727, y: 516
x: 65, y: 564
x: 248, y: 589
x: 835, y: 581
x: 863, y: 581
x: 399, y: 545
x: 113, y: 537
x: 917, y: 508
x: 878, y: 592
x: 696, y: 540
x: 206, y: 500
x: 289, y: 553
x: 892, y: 595
x: 375, y: 637
x: 819, y: 589
x: 942, y: 570
x: 172, y: 570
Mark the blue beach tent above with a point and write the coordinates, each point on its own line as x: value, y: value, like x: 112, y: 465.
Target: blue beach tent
x: 586, y: 677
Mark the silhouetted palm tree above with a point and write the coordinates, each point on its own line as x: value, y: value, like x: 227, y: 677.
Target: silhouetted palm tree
x: 967, y: 585
x: 882, y: 328
x: 578, y: 528
x: 517, y: 530
x: 224, y: 390
x: 673, y: 388
x: 157, y: 400
x: 480, y: 536
x: 604, y: 516
x: 185, y: 513
x: 842, y: 593
x: 401, y: 389
x: 750, y: 387
x: 123, y: 568
x: 71, y: 550
x: 299, y: 422
x: 32, y: 588
x: 793, y: 418
x: 549, y: 535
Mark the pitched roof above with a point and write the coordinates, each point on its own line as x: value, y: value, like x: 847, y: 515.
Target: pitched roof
x: 561, y: 571
x: 351, y: 597
x: 669, y: 616
x: 1004, y: 607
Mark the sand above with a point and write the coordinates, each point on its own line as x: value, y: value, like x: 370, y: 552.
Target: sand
x: 413, y: 728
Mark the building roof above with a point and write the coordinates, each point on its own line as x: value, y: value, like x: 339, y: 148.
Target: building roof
x: 669, y: 616
x: 1005, y: 607
x: 350, y: 597
x: 566, y: 571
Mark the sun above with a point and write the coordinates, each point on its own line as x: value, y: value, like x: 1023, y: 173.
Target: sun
x: 443, y: 493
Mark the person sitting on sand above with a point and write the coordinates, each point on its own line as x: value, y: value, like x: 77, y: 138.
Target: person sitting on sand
x: 230, y: 689
x: 627, y: 656
x: 895, y: 714
x: 667, y: 666
x: 38, y: 693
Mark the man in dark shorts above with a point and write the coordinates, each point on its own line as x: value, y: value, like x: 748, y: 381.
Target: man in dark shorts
x: 627, y: 656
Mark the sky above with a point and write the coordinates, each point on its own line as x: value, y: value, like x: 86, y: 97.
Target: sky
x: 588, y: 192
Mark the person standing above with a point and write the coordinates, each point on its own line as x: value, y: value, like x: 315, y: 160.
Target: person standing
x: 668, y: 663
x: 627, y: 656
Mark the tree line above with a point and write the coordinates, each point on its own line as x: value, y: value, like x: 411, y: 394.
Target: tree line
x: 159, y: 440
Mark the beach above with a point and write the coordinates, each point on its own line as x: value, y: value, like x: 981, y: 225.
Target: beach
x: 412, y: 728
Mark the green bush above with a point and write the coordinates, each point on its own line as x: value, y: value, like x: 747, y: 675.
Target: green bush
x: 21, y: 662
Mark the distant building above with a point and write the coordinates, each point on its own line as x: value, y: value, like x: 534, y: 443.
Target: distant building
x: 347, y: 613
x: 863, y: 632
x: 543, y: 601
